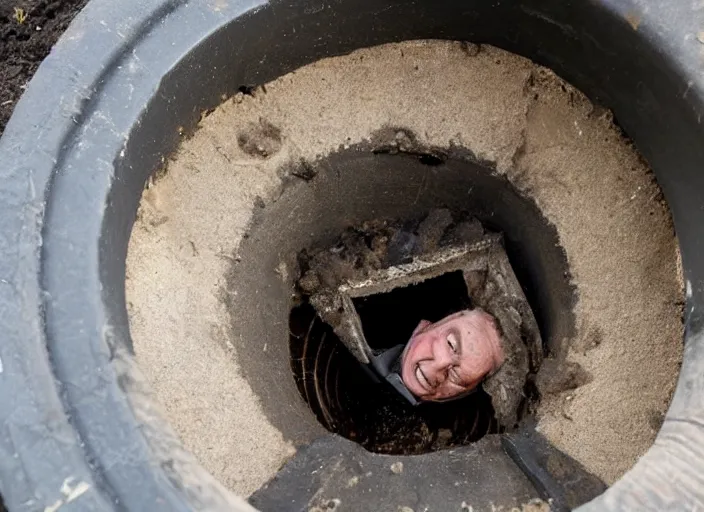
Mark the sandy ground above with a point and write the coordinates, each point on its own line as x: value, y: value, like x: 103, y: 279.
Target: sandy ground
x: 541, y: 133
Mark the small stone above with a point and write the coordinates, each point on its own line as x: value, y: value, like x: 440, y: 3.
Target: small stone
x: 557, y: 376
x: 397, y: 468
x: 470, y: 49
x: 332, y: 504
x: 304, y: 171
x: 700, y: 37
x: 514, y: 314
x: 310, y: 282
x: 352, y: 481
x: 405, y: 509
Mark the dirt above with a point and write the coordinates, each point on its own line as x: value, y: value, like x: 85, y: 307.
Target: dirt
x: 534, y: 129
x: 557, y: 376
x: 28, y: 30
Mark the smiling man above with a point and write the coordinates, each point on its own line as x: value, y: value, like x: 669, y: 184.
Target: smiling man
x: 450, y: 358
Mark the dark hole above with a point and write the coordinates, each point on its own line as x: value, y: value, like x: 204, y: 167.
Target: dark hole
x: 431, y: 160
x: 247, y: 89
x: 388, y: 319
x: 346, y: 401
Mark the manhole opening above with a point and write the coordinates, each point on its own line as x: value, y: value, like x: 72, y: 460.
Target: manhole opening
x: 388, y: 319
x: 347, y: 402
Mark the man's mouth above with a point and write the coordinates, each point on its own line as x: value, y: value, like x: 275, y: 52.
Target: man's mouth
x: 422, y: 379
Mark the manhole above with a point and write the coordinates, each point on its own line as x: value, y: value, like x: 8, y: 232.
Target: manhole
x: 370, y: 291
x: 347, y: 402
x: 213, y: 257
x: 67, y: 336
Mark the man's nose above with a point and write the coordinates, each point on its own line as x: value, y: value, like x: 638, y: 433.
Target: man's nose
x: 442, y: 362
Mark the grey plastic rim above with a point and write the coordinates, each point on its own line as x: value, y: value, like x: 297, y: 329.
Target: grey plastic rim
x: 106, y: 106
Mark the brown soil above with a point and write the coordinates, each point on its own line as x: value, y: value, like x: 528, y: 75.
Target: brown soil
x: 23, y: 45
x: 547, y: 138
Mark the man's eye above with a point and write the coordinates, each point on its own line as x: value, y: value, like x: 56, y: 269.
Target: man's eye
x: 452, y: 342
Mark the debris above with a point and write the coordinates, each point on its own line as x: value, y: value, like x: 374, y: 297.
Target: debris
x: 20, y: 15
x: 304, y: 171
x: 471, y: 49
x: 70, y: 494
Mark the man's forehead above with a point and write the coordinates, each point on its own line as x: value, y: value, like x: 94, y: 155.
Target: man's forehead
x: 450, y: 318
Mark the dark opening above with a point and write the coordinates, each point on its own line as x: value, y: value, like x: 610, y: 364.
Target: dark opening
x: 388, y: 319
x: 431, y: 160
x: 346, y: 401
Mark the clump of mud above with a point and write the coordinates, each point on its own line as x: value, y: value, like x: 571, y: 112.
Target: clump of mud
x: 378, y: 244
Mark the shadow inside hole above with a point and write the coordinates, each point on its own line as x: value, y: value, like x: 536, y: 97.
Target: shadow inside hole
x: 388, y: 319
x: 346, y: 401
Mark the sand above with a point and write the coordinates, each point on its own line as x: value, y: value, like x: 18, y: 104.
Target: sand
x: 546, y: 137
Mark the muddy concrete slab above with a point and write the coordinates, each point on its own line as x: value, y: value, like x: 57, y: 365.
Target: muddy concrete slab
x: 333, y: 474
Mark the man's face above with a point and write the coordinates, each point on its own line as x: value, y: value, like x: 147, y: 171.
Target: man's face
x: 452, y: 356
